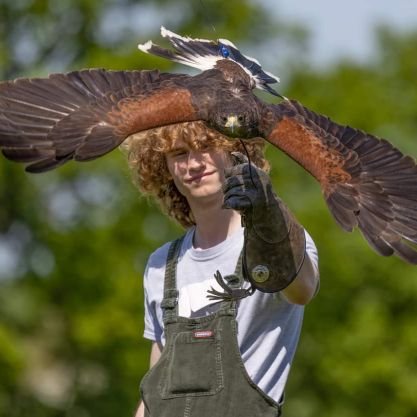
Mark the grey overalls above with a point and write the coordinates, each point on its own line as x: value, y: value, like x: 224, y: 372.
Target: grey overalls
x: 200, y: 372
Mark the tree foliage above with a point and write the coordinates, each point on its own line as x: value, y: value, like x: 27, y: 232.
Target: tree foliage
x: 357, y: 353
x: 74, y: 242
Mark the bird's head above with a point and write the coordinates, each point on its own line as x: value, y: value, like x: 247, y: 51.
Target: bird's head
x: 234, y: 125
x: 236, y: 118
x: 206, y: 54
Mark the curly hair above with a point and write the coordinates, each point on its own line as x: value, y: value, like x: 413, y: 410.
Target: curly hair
x: 146, y: 158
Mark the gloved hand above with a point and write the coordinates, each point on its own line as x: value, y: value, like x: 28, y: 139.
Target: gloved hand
x: 274, y: 246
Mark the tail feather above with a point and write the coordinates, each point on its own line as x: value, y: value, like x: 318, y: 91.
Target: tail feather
x: 204, y: 54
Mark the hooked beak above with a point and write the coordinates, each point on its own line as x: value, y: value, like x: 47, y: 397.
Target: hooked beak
x: 232, y: 122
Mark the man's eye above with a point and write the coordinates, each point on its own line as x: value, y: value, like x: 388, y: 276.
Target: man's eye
x: 179, y: 152
x: 204, y: 147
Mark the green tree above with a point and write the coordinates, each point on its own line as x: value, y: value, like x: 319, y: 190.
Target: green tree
x: 357, y: 353
x: 74, y: 242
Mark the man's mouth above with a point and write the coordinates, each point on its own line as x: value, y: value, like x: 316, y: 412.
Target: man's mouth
x: 199, y: 176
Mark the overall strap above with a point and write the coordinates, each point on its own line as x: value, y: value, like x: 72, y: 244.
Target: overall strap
x: 170, y: 301
x: 239, y: 268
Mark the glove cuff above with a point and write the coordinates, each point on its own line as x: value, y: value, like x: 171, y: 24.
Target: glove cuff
x: 274, y: 251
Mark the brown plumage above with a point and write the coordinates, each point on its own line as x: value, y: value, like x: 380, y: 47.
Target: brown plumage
x: 84, y: 114
x: 366, y: 182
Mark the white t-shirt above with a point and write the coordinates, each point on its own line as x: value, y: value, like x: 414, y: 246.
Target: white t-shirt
x: 268, y: 325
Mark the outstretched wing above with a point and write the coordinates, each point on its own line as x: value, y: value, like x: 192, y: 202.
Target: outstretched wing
x: 84, y: 114
x: 365, y: 180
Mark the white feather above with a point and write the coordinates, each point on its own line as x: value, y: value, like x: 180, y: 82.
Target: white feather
x: 205, y: 62
x: 227, y: 42
x: 272, y: 75
x: 144, y: 47
x: 167, y: 33
x: 252, y: 59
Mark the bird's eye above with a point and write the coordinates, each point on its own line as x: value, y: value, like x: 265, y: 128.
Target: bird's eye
x: 224, y: 51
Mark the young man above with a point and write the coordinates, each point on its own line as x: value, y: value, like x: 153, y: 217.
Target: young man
x: 220, y: 348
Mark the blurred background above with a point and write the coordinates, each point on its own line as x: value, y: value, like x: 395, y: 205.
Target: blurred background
x: 74, y: 242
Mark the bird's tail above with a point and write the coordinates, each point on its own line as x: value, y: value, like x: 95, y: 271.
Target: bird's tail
x: 203, y: 54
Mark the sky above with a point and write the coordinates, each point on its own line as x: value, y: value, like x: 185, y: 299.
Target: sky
x: 345, y: 28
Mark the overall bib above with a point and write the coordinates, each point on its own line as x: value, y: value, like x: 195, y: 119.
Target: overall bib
x: 200, y: 372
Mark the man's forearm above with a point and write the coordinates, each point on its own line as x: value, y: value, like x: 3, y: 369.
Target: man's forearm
x: 305, y: 285
x: 141, y: 410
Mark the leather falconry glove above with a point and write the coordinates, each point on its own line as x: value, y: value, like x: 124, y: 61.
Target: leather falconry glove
x: 274, y: 243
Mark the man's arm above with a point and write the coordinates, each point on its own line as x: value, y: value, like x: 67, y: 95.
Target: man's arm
x: 156, y: 351
x: 306, y: 284
x: 278, y: 255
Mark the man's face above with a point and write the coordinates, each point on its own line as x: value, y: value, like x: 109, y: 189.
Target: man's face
x: 197, y: 174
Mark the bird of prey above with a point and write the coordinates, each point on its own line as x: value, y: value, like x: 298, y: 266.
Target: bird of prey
x: 81, y: 115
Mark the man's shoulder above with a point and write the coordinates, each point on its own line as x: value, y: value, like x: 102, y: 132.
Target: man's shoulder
x: 158, y: 258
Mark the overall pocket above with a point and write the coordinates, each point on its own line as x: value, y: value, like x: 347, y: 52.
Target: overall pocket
x: 194, y: 365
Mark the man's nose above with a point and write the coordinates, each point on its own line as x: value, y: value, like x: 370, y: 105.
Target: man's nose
x: 195, y: 159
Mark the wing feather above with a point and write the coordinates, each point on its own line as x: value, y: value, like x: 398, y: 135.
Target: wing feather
x: 366, y: 181
x: 82, y: 115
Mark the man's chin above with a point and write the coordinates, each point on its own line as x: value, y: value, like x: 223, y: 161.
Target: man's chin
x: 207, y: 194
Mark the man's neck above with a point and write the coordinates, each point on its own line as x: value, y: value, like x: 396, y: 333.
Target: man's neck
x: 214, y: 225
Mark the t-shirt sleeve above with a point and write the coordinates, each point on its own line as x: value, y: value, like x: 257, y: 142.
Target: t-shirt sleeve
x: 153, y: 329
x: 311, y: 252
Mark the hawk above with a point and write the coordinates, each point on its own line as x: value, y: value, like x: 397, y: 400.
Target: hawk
x: 81, y: 115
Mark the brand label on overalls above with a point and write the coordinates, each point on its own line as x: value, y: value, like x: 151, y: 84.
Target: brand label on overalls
x: 203, y: 334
